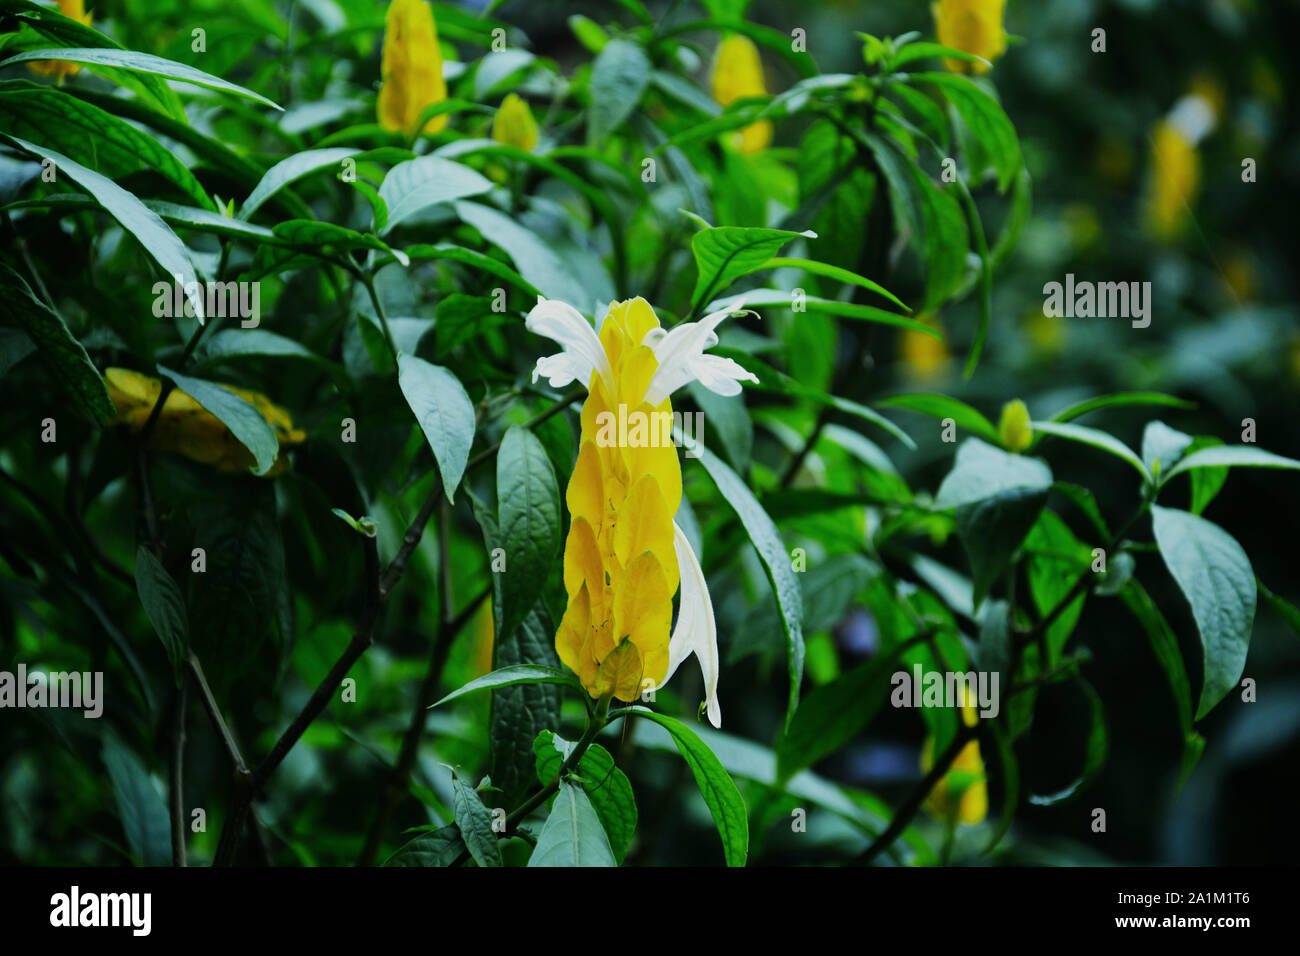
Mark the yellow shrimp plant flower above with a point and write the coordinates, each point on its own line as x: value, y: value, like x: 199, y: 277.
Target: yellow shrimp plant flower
x: 737, y: 73
x: 411, y: 68
x: 626, y: 556
x: 972, y: 26
x: 74, y: 10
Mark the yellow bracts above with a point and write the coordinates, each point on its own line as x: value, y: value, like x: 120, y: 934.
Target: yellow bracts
x: 737, y: 73
x: 411, y: 68
x: 620, y: 566
x: 972, y: 26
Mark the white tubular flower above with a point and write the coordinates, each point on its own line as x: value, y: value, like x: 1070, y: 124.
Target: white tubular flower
x: 681, y: 358
x: 696, y: 631
x: 582, y: 352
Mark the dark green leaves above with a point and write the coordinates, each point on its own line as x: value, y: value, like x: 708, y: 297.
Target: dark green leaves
x: 528, y: 519
x: 606, y: 786
x: 1216, y: 578
x: 984, y: 117
x: 426, y: 181
x: 618, y: 78
x: 141, y: 807
x: 515, y: 674
x: 767, y: 541
x: 716, y: 786
x: 158, y: 240
x: 726, y: 253
x: 164, y: 607
x: 287, y: 170
x: 62, y: 354
x: 141, y: 63
x: 244, y: 421
x: 572, y: 834
x: 445, y: 414
x: 475, y: 823
x: 521, y: 711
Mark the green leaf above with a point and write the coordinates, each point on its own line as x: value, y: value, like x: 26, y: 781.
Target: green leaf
x: 929, y: 51
x: 716, y: 786
x: 141, y: 63
x: 475, y: 823
x: 834, y: 714
x: 158, y: 240
x: 946, y: 241
x: 63, y: 355
x: 290, y: 170
x: 445, y: 414
x: 1162, y: 446
x: 985, y: 118
x: 141, y: 807
x: 608, y: 787
x: 164, y: 607
x: 756, y: 298
x: 776, y: 561
x: 981, y: 471
x: 1232, y: 456
x: 1165, y: 646
x: 212, y: 222
x: 1095, y: 438
x: 725, y: 253
x: 426, y: 181
x: 515, y: 674
x: 1216, y: 578
x: 93, y: 137
x: 1119, y: 400
x: 476, y: 260
x: 991, y: 530
x: 439, y: 847
x: 729, y: 420
x: 528, y: 506
x: 619, y: 77
x: 832, y: 272
x: 244, y: 421
x: 941, y: 406
x: 1056, y: 559
x: 1010, y: 784
x: 536, y: 261
x: 1094, y: 751
x: 521, y: 712
x: 572, y: 834
x: 1289, y: 612
x: 1206, y: 482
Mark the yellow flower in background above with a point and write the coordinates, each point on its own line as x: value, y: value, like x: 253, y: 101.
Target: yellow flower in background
x: 514, y: 124
x: 924, y: 356
x: 962, y: 795
x: 411, y: 68
x: 1175, y: 179
x: 972, y: 26
x: 1013, y: 427
x: 75, y: 10
x: 737, y: 73
x: 186, y: 427
x: 1046, y: 334
x: 625, y: 556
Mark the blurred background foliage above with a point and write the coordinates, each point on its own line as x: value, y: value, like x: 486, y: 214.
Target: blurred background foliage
x: 1223, y: 335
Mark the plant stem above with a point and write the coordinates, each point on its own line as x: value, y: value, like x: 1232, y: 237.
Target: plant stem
x: 176, y: 803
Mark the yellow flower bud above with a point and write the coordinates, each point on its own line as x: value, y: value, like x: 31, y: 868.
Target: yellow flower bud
x: 972, y: 26
x: 186, y: 427
x: 514, y: 124
x: 1014, y: 430
x: 411, y: 68
x: 737, y: 73
x: 75, y: 10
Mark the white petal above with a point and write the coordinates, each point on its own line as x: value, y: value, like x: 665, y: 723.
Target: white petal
x: 582, y: 353
x: 696, y: 631
x: 681, y: 358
